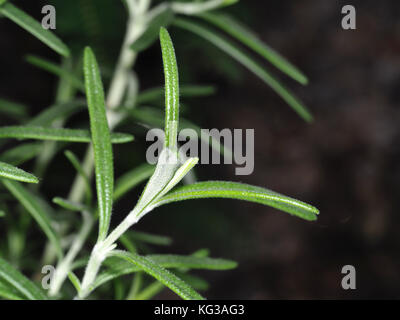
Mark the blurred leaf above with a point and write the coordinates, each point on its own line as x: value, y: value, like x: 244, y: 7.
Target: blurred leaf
x: 55, y: 112
x: 10, y: 172
x: 194, y: 281
x: 9, y: 292
x: 69, y: 205
x: 17, y: 280
x: 103, y: 156
x: 13, y: 109
x: 36, y: 209
x: 150, y: 291
x: 226, y: 46
x: 57, y: 134
x: 164, y: 276
x: 247, y: 37
x: 131, y: 179
x: 163, y: 19
x: 35, y: 28
x: 75, y: 281
x: 149, y: 238
x: 56, y: 70
x: 21, y: 153
x: 240, y: 191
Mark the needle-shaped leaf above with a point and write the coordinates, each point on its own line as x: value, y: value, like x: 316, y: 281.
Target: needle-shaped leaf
x: 9, y: 292
x: 171, y: 89
x: 69, y: 205
x: 31, y: 203
x: 12, y: 277
x: 239, y: 55
x: 131, y: 179
x: 10, y: 172
x: 21, y: 153
x: 149, y: 238
x: 240, y: 191
x: 13, y: 109
x: 56, y: 70
x: 75, y: 281
x: 247, y: 37
x: 191, y: 262
x: 103, y: 156
x: 164, y: 276
x: 55, y: 112
x: 56, y: 134
x: 34, y: 27
x: 155, y: 94
x: 117, y: 268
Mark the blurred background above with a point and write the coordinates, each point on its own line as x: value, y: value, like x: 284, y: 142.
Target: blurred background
x: 346, y: 162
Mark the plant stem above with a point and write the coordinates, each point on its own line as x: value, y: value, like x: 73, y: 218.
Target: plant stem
x: 64, y: 266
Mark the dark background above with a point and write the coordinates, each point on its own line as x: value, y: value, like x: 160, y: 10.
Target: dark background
x: 346, y: 162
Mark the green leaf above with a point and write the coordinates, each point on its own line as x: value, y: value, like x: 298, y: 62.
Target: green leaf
x: 194, y: 281
x: 55, y: 112
x: 34, y: 207
x: 191, y: 262
x: 10, y: 172
x: 34, y: 27
x: 57, y: 134
x: 171, y: 89
x: 164, y: 276
x: 75, y: 281
x: 150, y: 291
x: 131, y: 179
x: 239, y: 55
x: 56, y: 70
x: 240, y: 191
x: 163, y: 19
x: 188, y: 91
x: 116, y: 268
x: 69, y: 205
x: 248, y: 38
x: 21, y: 153
x: 13, y: 109
x: 17, y: 280
x: 149, y: 238
x: 8, y: 292
x: 101, y: 141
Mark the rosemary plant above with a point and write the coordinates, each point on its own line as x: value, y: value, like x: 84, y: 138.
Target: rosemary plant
x: 107, y: 262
